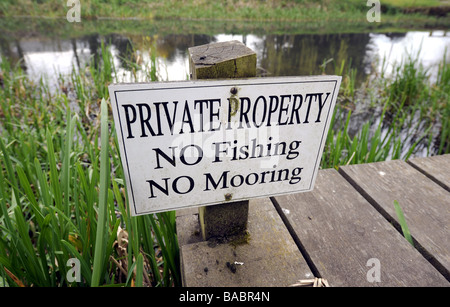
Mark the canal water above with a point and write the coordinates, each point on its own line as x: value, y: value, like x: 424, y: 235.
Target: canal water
x: 366, y: 54
x: 277, y: 55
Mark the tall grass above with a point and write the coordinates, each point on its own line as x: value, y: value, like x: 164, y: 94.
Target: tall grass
x: 62, y: 193
x: 443, y: 94
x: 402, y: 222
x: 406, y: 108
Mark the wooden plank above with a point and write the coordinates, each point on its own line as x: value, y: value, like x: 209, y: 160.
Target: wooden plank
x: 437, y: 168
x: 267, y: 257
x: 342, y: 234
x: 425, y: 204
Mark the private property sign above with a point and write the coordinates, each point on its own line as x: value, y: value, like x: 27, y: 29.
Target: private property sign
x: 193, y: 143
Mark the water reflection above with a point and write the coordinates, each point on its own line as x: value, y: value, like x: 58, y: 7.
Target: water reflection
x: 429, y: 48
x: 278, y: 55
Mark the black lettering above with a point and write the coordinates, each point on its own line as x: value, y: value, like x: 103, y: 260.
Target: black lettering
x: 209, y: 179
x: 243, y: 150
x: 217, y: 151
x: 263, y: 176
x: 293, y: 152
x: 175, y: 185
x: 309, y: 106
x: 321, y: 105
x: 187, y: 119
x: 260, y: 148
x: 213, y: 114
x: 158, y: 116
x: 159, y: 152
x: 286, y: 174
x: 200, y: 103
x: 247, y: 180
x: 295, y: 178
x: 164, y: 190
x: 233, y: 105
x: 170, y: 121
x: 273, y: 106
x: 296, y: 109
x: 264, y: 112
x: 241, y: 179
x: 283, y: 110
x: 129, y: 120
x: 145, y: 122
x: 243, y: 113
x: 277, y: 146
x: 199, y: 154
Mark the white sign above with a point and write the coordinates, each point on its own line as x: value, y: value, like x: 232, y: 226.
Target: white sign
x: 193, y: 143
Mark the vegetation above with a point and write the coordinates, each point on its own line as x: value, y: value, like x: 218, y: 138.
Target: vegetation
x: 62, y: 191
x: 402, y: 222
x: 266, y: 10
x: 413, y: 3
x: 406, y: 108
x: 154, y: 17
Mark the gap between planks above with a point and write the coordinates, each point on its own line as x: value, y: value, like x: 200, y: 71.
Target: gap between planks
x: 296, y: 239
x: 384, y: 215
x: 427, y: 165
x: 391, y: 219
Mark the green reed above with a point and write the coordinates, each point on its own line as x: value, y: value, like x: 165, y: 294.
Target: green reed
x: 406, y: 106
x: 62, y: 193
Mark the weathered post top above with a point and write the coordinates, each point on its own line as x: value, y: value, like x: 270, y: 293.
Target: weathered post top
x: 218, y: 61
x: 222, y: 60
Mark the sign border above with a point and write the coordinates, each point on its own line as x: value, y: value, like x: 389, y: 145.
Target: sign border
x: 210, y: 83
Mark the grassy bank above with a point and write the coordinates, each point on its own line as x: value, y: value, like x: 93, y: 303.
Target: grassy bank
x: 25, y: 18
x: 62, y: 190
x: 255, y: 10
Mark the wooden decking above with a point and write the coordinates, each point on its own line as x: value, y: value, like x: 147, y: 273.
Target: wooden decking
x: 344, y: 231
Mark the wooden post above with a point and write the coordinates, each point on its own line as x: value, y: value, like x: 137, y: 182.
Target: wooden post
x: 220, y: 61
